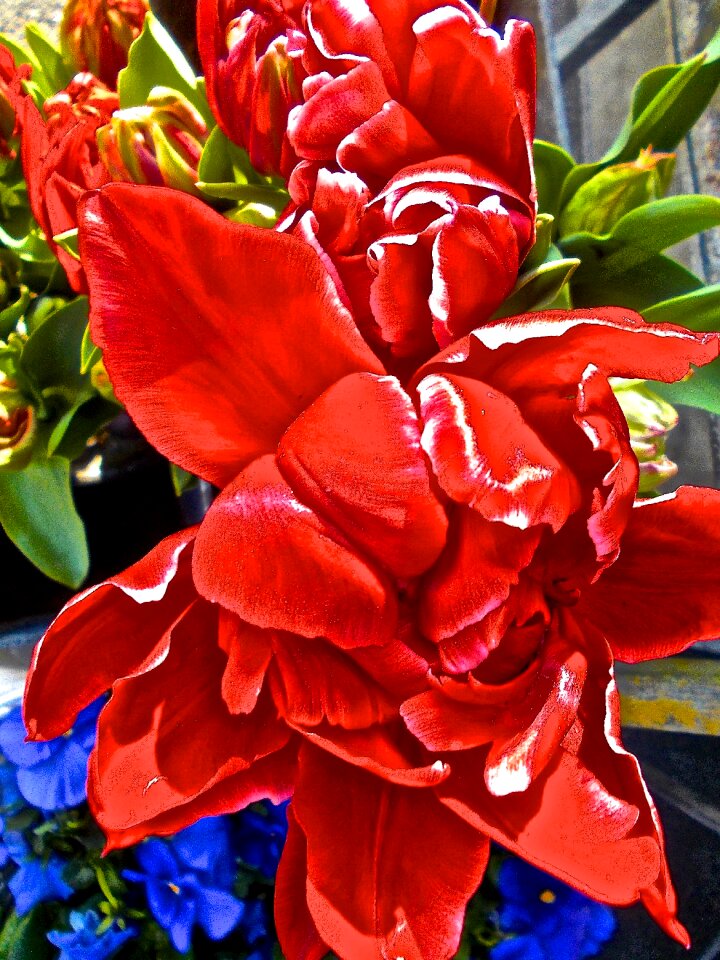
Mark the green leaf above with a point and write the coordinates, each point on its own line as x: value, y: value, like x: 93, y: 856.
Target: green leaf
x: 642, y: 233
x: 23, y: 938
x: 54, y: 69
x: 20, y: 54
x: 665, y: 104
x: 538, y: 288
x: 11, y: 314
x: 89, y: 353
x: 699, y: 310
x: 69, y: 242
x: 51, y: 356
x: 38, y: 514
x: 543, y: 238
x: 224, y: 162
x: 702, y: 389
x: 552, y: 166
x: 646, y: 284
x: 246, y: 193
x: 182, y: 480
x: 71, y: 433
x: 155, y: 60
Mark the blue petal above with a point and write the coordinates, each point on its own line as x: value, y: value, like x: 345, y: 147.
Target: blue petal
x: 156, y: 857
x: 34, y: 882
x: 180, y: 930
x: 12, y: 743
x: 164, y: 903
x: 218, y: 912
x: 520, y: 948
x: 203, y: 844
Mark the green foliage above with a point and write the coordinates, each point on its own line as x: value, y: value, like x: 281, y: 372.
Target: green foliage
x: 538, y: 288
x: 155, y: 60
x: 552, y: 166
x: 702, y: 389
x: 54, y: 72
x: 38, y: 514
x: 699, y: 310
x: 23, y: 938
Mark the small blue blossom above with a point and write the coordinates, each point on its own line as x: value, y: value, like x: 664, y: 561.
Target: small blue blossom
x: 260, y: 837
x: 36, y: 879
x: 550, y: 920
x: 83, y: 942
x: 188, y: 880
x: 51, y: 776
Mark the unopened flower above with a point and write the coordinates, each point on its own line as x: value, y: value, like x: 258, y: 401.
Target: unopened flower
x: 159, y: 143
x: 18, y: 427
x: 96, y: 34
x: 650, y: 419
x: 85, y: 941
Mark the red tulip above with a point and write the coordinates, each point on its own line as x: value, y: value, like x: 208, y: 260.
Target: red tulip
x: 60, y: 159
x: 416, y: 145
x: 250, y: 52
x: 11, y: 77
x: 391, y: 609
x: 96, y: 35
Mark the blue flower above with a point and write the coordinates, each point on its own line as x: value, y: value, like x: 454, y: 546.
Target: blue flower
x: 83, y: 942
x: 35, y: 879
x: 51, y: 776
x: 188, y: 880
x: 550, y: 920
x: 260, y: 837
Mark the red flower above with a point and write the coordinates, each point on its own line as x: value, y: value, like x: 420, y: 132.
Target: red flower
x: 11, y: 78
x: 427, y: 550
x: 416, y: 146
x: 60, y: 159
x: 250, y: 52
x: 96, y: 35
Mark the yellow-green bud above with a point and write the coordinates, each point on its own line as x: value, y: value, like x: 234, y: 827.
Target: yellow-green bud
x: 158, y: 144
x: 609, y: 195
x: 650, y: 419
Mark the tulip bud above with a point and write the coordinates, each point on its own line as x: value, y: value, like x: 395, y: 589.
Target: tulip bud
x: 95, y: 35
x: 650, y: 419
x: 11, y: 78
x: 158, y: 144
x: 609, y: 195
x: 18, y: 427
x: 84, y: 98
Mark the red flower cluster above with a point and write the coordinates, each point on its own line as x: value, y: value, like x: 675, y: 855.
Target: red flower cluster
x: 403, y: 607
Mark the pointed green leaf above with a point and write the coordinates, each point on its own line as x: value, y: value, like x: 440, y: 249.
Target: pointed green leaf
x: 182, y: 480
x: 224, y: 162
x: 646, y: 284
x: 552, y: 166
x: 155, y: 60
x: 665, y: 104
x: 89, y: 353
x: 54, y: 69
x: 38, y: 514
x: 699, y: 310
x: 641, y: 234
x: 543, y: 238
x: 538, y: 288
x: 247, y: 193
x: 702, y: 389
x: 82, y: 421
x: 20, y: 54
x: 10, y: 315
x: 24, y: 938
x: 51, y: 357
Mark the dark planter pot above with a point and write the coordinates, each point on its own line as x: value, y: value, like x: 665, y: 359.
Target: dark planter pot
x: 124, y: 494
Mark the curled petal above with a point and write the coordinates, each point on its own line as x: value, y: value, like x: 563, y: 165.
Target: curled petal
x: 355, y: 456
x: 249, y: 651
x: 485, y: 454
x: 660, y: 595
x: 115, y: 629
x: 276, y: 564
x: 190, y: 366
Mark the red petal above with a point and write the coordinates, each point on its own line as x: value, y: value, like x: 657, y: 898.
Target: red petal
x: 313, y: 681
x: 191, y: 345
x: 275, y: 563
x: 115, y: 629
x: 296, y: 929
x: 249, y: 651
x: 525, y: 354
x: 387, y: 751
x: 166, y: 737
x: 661, y: 594
x: 485, y: 454
x: 269, y: 778
x: 376, y: 884
x: 475, y: 573
x: 355, y: 456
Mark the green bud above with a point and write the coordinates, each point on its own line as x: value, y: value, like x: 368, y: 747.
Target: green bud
x: 158, y: 144
x: 18, y: 427
x: 649, y: 419
x: 609, y: 195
